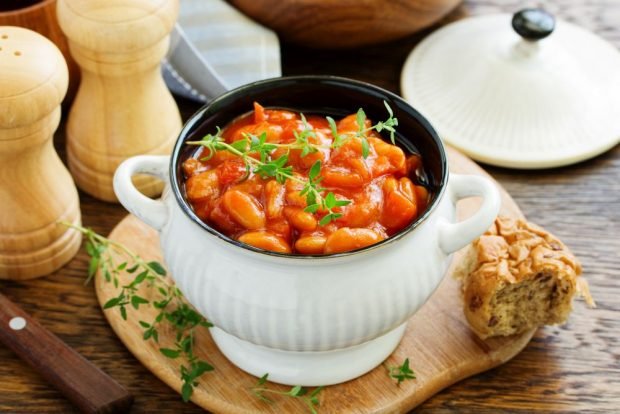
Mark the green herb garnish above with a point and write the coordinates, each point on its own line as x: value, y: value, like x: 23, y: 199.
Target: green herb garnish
x: 301, y: 138
x: 402, y: 373
x: 362, y: 132
x: 389, y: 124
x: 277, y: 168
x: 173, y: 311
x: 310, y: 399
x: 170, y: 303
x: 251, y: 146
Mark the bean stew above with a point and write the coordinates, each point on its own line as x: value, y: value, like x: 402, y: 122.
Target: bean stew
x: 281, y: 181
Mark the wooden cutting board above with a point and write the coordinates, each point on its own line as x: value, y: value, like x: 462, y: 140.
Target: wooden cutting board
x: 438, y: 342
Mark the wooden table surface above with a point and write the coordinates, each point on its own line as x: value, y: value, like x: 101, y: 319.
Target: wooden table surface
x: 575, y: 367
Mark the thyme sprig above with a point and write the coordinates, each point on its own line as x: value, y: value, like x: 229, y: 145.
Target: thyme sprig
x: 184, y: 346
x: 402, y: 372
x: 265, y: 166
x: 256, y: 154
x: 302, y: 139
x: 310, y: 399
x: 170, y: 303
x: 389, y: 125
x: 173, y: 310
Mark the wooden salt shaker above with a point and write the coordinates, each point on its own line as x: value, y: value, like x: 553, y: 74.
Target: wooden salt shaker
x: 36, y: 190
x: 123, y: 107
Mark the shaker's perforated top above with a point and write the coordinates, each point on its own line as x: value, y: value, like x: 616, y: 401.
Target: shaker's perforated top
x: 33, y: 79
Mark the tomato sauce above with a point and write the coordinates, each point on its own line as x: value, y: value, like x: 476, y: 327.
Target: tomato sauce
x: 382, y: 189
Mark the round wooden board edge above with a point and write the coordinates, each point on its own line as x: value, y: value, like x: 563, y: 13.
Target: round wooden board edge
x: 168, y: 375
x: 407, y: 403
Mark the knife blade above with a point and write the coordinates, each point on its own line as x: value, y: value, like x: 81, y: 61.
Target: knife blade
x: 197, y: 72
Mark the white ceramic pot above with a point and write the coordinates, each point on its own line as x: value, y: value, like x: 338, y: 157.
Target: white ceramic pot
x: 305, y: 320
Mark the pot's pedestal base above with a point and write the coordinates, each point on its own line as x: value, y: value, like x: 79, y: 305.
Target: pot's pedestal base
x: 307, y: 368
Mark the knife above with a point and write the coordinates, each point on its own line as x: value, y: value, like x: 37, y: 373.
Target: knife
x: 91, y: 390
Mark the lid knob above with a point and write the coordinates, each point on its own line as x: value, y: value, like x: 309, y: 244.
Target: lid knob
x: 533, y: 24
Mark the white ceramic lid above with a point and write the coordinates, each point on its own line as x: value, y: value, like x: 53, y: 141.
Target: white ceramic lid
x: 521, y: 100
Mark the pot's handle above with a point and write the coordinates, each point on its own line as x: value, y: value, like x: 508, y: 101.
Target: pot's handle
x: 152, y: 212
x: 454, y: 236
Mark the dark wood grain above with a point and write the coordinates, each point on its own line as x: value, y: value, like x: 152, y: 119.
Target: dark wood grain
x: 81, y: 382
x: 572, y: 368
x: 335, y: 24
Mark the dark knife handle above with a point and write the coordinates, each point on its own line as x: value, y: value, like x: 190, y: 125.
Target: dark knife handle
x: 86, y: 386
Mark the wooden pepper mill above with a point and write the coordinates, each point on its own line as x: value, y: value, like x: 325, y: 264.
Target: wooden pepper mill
x: 123, y: 107
x: 36, y: 190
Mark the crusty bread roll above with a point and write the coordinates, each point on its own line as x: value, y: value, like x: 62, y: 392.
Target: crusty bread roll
x: 516, y: 277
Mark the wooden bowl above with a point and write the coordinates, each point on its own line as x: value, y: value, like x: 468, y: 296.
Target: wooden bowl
x: 335, y: 24
x: 40, y: 16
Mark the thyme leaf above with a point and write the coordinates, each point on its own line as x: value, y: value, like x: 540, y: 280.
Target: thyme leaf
x: 402, y: 372
x: 311, y: 400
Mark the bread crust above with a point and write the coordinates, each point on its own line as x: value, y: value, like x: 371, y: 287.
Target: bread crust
x: 516, y: 277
